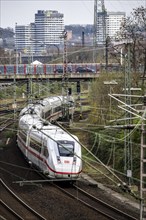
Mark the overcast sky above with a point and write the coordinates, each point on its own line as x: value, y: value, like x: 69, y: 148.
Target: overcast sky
x: 75, y: 11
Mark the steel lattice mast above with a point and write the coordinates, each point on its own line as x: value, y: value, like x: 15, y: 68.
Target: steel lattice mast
x: 65, y: 75
x: 99, y: 32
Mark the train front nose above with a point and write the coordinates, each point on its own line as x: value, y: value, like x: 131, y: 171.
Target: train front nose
x: 67, y: 168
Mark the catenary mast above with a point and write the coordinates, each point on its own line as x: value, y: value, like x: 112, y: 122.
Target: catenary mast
x: 99, y: 33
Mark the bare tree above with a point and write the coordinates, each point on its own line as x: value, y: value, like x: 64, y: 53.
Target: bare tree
x: 133, y: 30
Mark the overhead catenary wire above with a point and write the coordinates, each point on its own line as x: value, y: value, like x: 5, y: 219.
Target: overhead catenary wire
x: 121, y: 184
x: 107, y: 140
x: 105, y: 137
x: 98, y: 170
x: 35, y: 127
x: 94, y: 156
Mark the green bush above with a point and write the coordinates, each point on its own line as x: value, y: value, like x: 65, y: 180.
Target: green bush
x: 9, y: 134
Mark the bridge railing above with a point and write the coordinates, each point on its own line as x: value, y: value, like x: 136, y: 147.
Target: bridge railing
x: 46, y: 68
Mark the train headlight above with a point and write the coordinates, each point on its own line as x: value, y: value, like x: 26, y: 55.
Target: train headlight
x: 74, y: 160
x: 58, y: 159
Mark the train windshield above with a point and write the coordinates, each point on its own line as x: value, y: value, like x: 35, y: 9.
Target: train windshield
x: 66, y: 148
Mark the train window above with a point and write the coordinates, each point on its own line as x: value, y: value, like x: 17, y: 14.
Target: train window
x: 66, y: 148
x: 22, y: 136
x: 48, y: 113
x: 35, y: 145
x: 57, y: 109
x: 46, y: 153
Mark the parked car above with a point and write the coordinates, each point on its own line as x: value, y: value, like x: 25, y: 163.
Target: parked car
x: 81, y: 69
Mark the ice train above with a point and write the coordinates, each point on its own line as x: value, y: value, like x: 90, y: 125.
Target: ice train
x: 55, y: 152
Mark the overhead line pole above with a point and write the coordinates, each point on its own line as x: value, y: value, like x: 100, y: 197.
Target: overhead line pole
x: 95, y: 31
x: 14, y: 104
x: 143, y: 165
x: 128, y: 143
x: 65, y: 75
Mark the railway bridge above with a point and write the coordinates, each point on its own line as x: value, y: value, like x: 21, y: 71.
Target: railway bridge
x: 54, y: 77
x: 73, y: 72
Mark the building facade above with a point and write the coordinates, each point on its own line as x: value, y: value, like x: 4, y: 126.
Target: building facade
x: 49, y: 26
x: 108, y: 24
x: 39, y: 36
x: 101, y: 27
x: 114, y: 21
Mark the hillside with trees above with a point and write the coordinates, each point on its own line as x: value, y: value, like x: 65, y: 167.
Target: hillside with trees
x: 6, y: 33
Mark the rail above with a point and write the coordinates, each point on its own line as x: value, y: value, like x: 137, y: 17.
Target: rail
x: 15, y: 205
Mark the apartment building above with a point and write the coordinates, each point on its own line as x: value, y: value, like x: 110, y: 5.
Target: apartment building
x: 108, y: 24
x: 49, y: 26
x: 23, y: 36
x: 113, y: 23
x: 45, y: 32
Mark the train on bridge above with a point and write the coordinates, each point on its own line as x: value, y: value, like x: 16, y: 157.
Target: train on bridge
x: 54, y: 68
x: 47, y: 68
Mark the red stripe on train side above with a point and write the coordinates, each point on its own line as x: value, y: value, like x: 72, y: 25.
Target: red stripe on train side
x: 35, y: 68
x: 5, y: 69
x: 44, y: 67
x: 24, y: 69
x: 14, y: 69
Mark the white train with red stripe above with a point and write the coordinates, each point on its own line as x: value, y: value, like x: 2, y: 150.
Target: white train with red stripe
x: 50, y: 108
x: 55, y: 152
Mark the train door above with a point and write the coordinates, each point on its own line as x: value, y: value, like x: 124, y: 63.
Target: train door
x: 34, y: 149
x: 22, y: 141
x: 26, y: 144
x: 38, y: 148
x: 45, y: 156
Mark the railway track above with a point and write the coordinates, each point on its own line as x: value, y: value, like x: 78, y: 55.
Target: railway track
x: 95, y: 203
x: 90, y: 200
x: 82, y: 196
x: 7, y: 107
x: 78, y: 194
x: 12, y: 207
x: 5, y: 123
